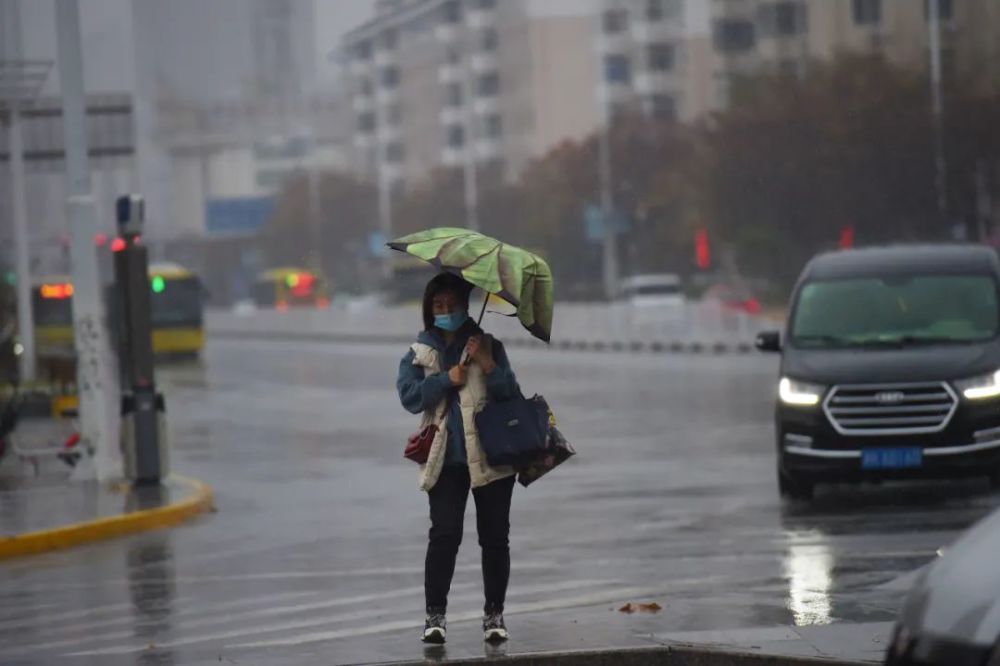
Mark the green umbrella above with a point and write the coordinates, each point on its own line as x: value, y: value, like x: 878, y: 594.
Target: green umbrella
x: 519, y: 277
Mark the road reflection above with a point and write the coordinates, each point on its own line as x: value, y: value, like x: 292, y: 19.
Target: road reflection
x: 808, y: 568
x: 151, y: 583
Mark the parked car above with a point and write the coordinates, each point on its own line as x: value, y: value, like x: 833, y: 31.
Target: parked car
x: 733, y: 297
x: 654, y: 290
x: 952, y: 615
x: 890, y: 368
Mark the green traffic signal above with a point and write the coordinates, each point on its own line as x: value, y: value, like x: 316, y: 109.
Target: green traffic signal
x: 158, y: 284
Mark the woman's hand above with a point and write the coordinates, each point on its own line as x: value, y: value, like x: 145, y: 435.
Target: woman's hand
x: 458, y: 375
x: 481, y: 352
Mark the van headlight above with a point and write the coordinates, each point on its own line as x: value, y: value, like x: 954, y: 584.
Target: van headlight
x: 801, y: 394
x: 980, y: 388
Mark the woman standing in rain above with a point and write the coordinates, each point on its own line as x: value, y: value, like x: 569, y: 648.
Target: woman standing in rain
x: 434, y: 381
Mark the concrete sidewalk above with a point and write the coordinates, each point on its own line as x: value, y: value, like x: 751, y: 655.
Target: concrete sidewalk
x: 846, y: 644
x: 41, y: 514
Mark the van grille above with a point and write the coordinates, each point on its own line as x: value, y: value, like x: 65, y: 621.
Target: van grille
x: 891, y: 409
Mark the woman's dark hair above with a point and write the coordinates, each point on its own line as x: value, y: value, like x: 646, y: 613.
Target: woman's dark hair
x: 440, y: 283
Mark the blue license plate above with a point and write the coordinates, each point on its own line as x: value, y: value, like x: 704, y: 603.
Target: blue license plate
x: 899, y: 458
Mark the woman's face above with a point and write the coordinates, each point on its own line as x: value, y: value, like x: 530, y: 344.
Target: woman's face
x: 446, y: 302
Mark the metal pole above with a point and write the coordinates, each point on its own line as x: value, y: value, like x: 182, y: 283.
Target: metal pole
x: 25, y: 318
x: 95, y: 382
x: 385, y: 215
x: 469, y: 166
x: 937, y: 109
x: 607, y: 205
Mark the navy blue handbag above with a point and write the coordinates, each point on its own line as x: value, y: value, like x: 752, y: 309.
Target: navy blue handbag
x: 513, y: 432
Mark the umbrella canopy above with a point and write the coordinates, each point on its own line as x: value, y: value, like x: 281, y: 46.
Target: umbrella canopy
x: 519, y: 277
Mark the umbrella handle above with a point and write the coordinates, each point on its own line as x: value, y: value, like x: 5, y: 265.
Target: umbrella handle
x: 486, y: 299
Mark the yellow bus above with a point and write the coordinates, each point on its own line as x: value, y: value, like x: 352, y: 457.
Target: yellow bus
x: 176, y: 304
x: 282, y: 288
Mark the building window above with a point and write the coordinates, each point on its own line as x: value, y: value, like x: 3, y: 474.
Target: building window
x: 394, y: 152
x: 657, y: 10
x: 734, y: 35
x: 366, y: 123
x: 452, y: 11
x: 867, y: 12
x: 782, y: 19
x: 390, y: 77
x: 663, y: 107
x: 489, y: 40
x: 389, y: 39
x: 365, y: 86
x: 661, y: 57
x: 946, y: 9
x: 486, y: 4
x: 494, y: 127
x: 394, y: 114
x: 363, y: 51
x: 488, y: 85
x: 456, y: 136
x: 453, y: 95
x: 614, y: 21
x: 617, y: 69
x: 453, y: 57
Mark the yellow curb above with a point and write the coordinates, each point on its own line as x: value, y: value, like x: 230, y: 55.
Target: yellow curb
x: 77, y: 534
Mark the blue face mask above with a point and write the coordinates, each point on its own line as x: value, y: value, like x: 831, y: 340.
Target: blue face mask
x: 451, y: 322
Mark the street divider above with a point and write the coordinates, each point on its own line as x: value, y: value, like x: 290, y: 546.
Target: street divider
x: 695, y: 329
x: 197, y: 500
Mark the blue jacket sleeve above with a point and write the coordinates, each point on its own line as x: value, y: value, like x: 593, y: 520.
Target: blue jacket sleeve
x: 501, y: 384
x: 418, y: 393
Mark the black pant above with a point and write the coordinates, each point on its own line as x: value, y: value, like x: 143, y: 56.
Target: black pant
x: 448, y: 498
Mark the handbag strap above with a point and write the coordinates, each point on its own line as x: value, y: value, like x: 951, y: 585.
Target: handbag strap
x: 444, y: 410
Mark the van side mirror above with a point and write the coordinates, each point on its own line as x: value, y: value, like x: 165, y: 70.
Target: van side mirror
x: 769, y: 341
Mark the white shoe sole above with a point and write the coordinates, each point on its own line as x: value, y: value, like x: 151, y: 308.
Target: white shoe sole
x: 495, y: 635
x: 435, y: 636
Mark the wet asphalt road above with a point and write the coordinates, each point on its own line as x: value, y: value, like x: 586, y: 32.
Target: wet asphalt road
x: 315, y: 554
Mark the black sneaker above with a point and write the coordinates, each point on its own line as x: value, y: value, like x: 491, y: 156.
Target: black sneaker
x: 435, y: 628
x: 494, y: 630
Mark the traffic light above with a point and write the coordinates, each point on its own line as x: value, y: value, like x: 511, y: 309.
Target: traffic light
x: 702, y: 251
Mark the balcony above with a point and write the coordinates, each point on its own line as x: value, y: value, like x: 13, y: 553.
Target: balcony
x: 614, y: 93
x: 450, y: 73
x: 446, y: 33
x: 619, y: 42
x: 386, y: 96
x: 452, y: 156
x: 363, y: 103
x: 488, y: 149
x: 481, y: 18
x: 364, y: 140
x: 386, y: 57
x: 486, y: 105
x: 452, y: 115
x: 648, y: 83
x: 646, y: 32
x: 389, y: 133
x: 361, y: 66
x: 485, y: 62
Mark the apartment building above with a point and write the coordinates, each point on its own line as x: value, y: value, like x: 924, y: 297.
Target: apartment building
x: 680, y: 57
x: 785, y: 35
x: 440, y: 83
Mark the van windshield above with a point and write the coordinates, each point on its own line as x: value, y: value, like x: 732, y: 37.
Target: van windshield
x: 910, y: 310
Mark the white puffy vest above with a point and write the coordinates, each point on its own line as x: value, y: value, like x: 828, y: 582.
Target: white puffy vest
x: 472, y: 398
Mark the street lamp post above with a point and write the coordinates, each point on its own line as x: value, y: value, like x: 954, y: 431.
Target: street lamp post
x: 937, y: 108
x: 20, y: 83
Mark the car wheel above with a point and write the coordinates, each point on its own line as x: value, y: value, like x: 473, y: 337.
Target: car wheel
x: 794, y: 488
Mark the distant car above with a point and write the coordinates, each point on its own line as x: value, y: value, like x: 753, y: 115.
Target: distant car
x: 654, y: 290
x: 733, y: 298
x: 890, y: 368
x: 952, y: 615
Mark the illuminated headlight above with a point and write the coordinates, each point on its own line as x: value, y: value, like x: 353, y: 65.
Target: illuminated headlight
x: 798, y: 393
x: 980, y: 388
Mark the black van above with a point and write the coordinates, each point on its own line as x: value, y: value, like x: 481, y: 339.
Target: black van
x: 890, y: 367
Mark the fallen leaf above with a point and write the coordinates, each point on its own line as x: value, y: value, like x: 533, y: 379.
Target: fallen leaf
x: 627, y: 608
x: 650, y: 608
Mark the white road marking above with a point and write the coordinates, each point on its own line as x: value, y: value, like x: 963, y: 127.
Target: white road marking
x: 346, y: 618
